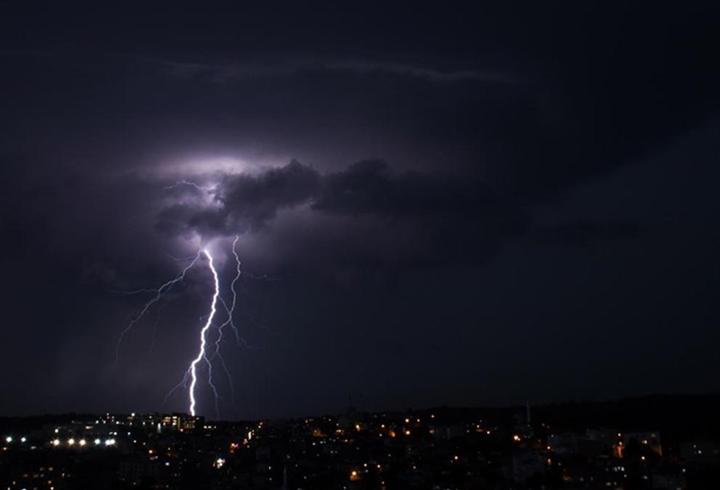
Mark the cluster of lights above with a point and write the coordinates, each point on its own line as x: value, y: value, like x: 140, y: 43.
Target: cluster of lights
x: 82, y: 442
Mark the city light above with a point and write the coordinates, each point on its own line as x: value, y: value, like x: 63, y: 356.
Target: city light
x: 9, y: 439
x: 552, y: 456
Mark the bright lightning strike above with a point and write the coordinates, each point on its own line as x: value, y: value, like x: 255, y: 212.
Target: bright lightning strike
x: 201, y: 353
x: 231, y: 309
x: 190, y: 378
x: 229, y: 321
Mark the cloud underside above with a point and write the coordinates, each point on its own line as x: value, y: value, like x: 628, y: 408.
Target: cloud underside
x: 350, y: 215
x: 432, y: 214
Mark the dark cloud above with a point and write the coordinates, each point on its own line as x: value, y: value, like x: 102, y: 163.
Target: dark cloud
x: 255, y: 200
x: 236, y: 72
x: 242, y: 203
x: 371, y: 187
x: 460, y: 217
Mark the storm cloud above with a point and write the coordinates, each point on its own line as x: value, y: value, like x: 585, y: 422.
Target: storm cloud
x: 444, y: 209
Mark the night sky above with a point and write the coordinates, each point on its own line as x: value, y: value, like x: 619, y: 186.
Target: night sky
x: 435, y: 205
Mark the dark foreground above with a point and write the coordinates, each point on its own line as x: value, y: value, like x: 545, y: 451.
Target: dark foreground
x: 670, y: 442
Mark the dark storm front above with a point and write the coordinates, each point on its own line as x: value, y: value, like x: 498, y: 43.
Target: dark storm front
x: 646, y: 443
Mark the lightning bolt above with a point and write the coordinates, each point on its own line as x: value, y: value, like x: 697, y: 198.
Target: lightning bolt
x: 231, y: 309
x: 229, y: 321
x: 190, y: 377
x: 201, y: 355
